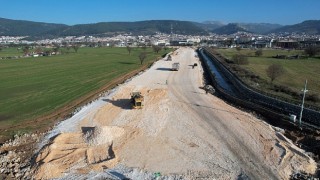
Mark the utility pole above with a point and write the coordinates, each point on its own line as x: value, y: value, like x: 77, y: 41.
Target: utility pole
x: 304, y: 94
x: 171, y: 31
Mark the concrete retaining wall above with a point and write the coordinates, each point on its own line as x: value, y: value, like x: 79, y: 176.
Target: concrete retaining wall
x: 257, y: 101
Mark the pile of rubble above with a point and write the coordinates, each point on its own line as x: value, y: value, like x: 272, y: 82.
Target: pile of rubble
x: 15, y: 157
x: 12, y: 166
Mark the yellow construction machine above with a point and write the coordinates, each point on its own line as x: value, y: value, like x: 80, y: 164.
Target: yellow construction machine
x: 137, y: 100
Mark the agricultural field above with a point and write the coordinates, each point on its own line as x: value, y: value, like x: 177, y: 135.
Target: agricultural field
x: 10, y: 52
x: 34, y: 87
x: 296, y: 70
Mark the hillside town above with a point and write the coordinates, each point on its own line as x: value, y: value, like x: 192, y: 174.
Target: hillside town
x: 239, y: 39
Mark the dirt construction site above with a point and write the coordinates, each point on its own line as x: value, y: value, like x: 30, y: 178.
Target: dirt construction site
x: 181, y: 132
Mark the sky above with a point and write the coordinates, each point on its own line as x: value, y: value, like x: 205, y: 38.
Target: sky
x: 285, y: 12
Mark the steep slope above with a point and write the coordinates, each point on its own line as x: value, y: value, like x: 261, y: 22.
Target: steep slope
x: 260, y: 28
x: 308, y: 27
x: 25, y: 28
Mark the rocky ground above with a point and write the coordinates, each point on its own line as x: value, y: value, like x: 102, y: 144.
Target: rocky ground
x: 15, y: 156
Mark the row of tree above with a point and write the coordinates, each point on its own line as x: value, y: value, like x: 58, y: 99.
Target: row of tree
x: 143, y: 55
x: 155, y: 48
x: 27, y: 49
x: 310, y: 51
x: 273, y: 71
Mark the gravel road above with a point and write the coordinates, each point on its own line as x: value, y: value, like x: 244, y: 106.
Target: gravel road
x: 180, y: 132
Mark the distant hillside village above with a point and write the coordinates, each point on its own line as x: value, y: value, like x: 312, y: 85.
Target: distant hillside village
x: 239, y: 39
x: 242, y: 39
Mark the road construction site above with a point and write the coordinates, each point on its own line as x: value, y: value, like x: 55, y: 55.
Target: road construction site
x: 180, y: 132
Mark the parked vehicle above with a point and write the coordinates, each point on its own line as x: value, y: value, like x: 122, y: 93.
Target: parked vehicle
x: 175, y: 66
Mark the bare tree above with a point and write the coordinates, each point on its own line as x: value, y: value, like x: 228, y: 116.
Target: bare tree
x: 258, y: 52
x: 75, y: 47
x: 129, y: 49
x: 274, y: 71
x: 68, y: 48
x: 56, y: 48
x: 100, y: 44
x: 38, y: 50
x: 111, y: 44
x: 26, y: 50
x: 142, y: 57
x: 47, y: 52
x: 240, y: 59
x: 311, y: 51
x: 156, y: 48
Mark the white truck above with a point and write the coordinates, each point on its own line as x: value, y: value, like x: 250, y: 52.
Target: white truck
x: 175, y: 66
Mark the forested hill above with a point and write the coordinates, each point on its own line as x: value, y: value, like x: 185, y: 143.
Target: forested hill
x: 308, y: 27
x: 10, y: 27
x: 41, y: 30
x: 37, y: 29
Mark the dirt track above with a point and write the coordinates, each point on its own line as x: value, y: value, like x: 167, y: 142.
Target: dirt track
x: 181, y: 130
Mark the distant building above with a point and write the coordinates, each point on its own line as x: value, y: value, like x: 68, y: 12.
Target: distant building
x: 287, y: 44
x: 310, y: 42
x: 261, y: 44
x: 181, y: 42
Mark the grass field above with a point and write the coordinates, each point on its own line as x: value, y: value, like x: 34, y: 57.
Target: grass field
x: 296, y: 70
x: 31, y: 87
x: 10, y: 52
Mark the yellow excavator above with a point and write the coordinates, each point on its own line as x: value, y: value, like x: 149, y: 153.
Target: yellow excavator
x: 137, y: 100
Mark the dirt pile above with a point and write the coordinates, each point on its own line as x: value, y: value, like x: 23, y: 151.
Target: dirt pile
x: 68, y: 152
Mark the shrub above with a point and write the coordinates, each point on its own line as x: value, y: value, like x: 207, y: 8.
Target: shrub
x: 286, y: 90
x: 240, y: 59
x: 274, y: 71
x: 229, y: 61
x: 258, y: 52
x: 311, y: 51
x: 313, y: 97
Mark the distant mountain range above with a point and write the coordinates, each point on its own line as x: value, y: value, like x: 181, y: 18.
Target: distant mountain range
x: 308, y: 27
x: 49, y: 30
x: 135, y: 28
x: 25, y: 28
x: 257, y: 28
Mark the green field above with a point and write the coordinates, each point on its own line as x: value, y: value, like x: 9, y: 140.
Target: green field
x: 10, y: 52
x: 31, y: 87
x: 296, y: 70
